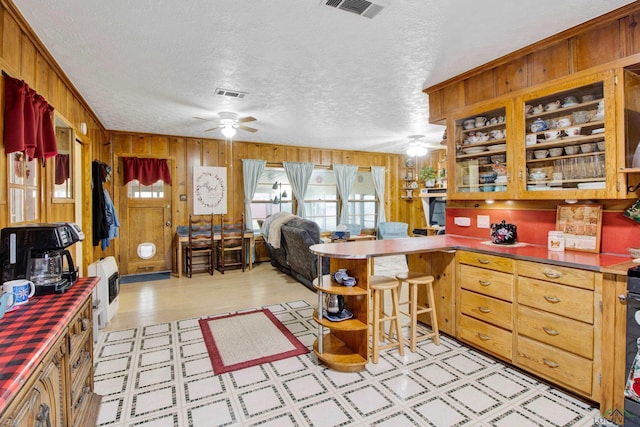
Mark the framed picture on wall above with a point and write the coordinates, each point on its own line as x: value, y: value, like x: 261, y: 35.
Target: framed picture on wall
x: 209, y: 190
x: 581, y: 225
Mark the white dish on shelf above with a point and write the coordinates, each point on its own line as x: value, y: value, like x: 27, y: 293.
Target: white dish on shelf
x: 537, y: 187
x: 474, y: 150
x: 597, y: 131
x: 591, y: 185
x: 497, y: 147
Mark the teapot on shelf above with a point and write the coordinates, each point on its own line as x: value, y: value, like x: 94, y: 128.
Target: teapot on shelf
x: 503, y: 233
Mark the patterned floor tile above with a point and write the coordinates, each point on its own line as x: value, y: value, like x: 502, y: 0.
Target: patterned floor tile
x: 161, y: 375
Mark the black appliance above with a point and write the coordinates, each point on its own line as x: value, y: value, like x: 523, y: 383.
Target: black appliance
x: 18, y: 244
x: 632, y: 388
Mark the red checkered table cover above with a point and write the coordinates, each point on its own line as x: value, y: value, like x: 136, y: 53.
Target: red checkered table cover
x: 27, y: 332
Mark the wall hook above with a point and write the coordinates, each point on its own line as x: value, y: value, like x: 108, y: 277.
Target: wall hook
x: 631, y: 189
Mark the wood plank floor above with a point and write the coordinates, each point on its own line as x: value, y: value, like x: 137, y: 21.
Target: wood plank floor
x: 148, y: 303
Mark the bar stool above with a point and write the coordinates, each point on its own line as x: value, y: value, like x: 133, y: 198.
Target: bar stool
x: 414, y: 280
x: 377, y: 285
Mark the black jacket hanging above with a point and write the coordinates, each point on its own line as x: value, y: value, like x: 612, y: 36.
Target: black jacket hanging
x: 100, y: 226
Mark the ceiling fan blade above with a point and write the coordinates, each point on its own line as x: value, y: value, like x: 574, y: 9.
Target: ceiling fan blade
x: 214, y: 128
x: 247, y: 128
x: 247, y: 119
x: 206, y: 120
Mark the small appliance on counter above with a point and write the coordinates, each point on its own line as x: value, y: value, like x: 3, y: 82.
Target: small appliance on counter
x: 37, y: 252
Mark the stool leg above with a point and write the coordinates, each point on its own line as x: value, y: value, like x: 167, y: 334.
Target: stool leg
x: 375, y: 333
x: 413, y: 313
x: 434, y: 318
x: 396, y: 313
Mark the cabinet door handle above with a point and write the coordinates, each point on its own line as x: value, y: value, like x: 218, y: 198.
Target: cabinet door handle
x: 483, y: 337
x: 551, y: 331
x: 552, y: 274
x: 484, y: 310
x: 484, y: 282
x: 483, y: 261
x: 553, y: 300
x: 550, y: 363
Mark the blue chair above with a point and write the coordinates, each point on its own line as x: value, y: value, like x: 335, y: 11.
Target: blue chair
x: 392, y: 230
x: 354, y: 229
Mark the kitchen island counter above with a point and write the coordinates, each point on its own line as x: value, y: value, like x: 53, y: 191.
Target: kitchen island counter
x: 415, y: 245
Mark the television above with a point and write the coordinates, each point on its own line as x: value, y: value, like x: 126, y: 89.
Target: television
x: 437, y: 206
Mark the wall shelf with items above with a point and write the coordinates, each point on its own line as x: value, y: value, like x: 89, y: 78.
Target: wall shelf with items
x: 565, y: 135
x: 480, y: 160
x: 409, y: 180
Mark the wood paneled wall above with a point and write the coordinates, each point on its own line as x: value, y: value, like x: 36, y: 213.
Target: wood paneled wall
x: 190, y: 152
x: 612, y: 40
x: 24, y: 57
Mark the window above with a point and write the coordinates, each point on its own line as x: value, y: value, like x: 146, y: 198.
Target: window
x: 63, y: 161
x: 273, y: 195
x: 23, y: 188
x: 136, y: 190
x: 363, y: 203
x: 321, y: 201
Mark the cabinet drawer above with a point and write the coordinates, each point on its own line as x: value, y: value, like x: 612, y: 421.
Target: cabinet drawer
x: 559, y: 299
x: 567, y: 334
x: 487, y: 282
x: 565, y: 275
x: 492, y: 262
x: 487, y: 337
x: 557, y: 365
x: 486, y: 309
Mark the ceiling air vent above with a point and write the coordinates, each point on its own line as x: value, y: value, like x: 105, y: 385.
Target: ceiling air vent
x: 230, y: 93
x: 360, y: 7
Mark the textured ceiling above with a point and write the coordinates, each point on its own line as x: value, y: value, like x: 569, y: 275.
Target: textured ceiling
x: 315, y: 75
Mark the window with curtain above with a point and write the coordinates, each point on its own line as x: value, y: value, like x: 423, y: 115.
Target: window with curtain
x: 273, y: 195
x: 137, y: 190
x: 322, y: 199
x: 23, y: 187
x: 363, y: 203
x: 145, y: 177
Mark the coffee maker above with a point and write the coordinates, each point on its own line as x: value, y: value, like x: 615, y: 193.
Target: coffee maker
x: 37, y: 252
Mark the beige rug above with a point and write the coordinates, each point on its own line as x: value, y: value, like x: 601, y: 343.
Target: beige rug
x: 240, y: 340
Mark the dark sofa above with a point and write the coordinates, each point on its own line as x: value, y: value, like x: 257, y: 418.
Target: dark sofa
x: 293, y: 256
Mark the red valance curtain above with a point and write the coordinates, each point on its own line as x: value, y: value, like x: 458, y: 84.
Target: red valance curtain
x: 28, y: 124
x: 147, y: 171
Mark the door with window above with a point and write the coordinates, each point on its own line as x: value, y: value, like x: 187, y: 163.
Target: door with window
x: 145, y: 230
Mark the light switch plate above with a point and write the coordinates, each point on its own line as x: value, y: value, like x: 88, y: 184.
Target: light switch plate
x: 483, y: 221
x: 462, y: 221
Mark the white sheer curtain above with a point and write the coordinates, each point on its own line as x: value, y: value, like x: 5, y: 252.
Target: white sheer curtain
x: 251, y: 171
x: 299, y: 175
x: 378, y: 174
x: 345, y: 177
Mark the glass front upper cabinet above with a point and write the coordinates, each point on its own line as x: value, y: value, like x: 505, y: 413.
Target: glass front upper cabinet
x: 481, y: 158
x: 568, y: 141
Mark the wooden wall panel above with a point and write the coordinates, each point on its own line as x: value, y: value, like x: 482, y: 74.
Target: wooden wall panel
x: 436, y: 106
x: 11, y: 46
x: 631, y: 33
x: 549, y: 63
x: 512, y: 76
x: 42, y: 77
x: 597, y: 46
x: 479, y: 87
x: 121, y: 143
x: 28, y: 61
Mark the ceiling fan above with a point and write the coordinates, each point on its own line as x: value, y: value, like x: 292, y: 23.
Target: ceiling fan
x: 229, y: 122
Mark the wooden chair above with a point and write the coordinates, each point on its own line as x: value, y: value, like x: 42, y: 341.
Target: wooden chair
x: 231, y: 248
x: 200, y: 250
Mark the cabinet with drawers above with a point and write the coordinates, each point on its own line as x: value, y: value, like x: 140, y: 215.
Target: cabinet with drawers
x: 485, y: 302
x: 557, y: 322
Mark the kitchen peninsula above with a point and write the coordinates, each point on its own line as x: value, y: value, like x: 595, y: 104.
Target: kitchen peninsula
x: 539, y: 310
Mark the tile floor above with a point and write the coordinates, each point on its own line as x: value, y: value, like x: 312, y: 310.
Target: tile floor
x: 160, y: 375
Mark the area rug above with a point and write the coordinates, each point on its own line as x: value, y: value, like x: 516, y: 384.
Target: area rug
x: 239, y: 340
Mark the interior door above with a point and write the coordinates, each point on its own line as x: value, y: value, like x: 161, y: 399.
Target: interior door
x: 145, y: 229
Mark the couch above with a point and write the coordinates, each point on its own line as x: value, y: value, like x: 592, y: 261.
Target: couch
x: 292, y: 256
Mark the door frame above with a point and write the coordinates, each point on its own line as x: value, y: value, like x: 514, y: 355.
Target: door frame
x: 118, y: 186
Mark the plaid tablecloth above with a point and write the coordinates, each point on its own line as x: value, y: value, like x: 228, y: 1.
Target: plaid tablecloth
x: 27, y: 332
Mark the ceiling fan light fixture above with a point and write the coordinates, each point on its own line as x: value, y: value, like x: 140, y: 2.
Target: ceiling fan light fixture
x: 416, y: 151
x: 228, y: 130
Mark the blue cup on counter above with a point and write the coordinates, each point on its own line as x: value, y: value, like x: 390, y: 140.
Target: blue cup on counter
x: 23, y: 289
x: 7, y: 300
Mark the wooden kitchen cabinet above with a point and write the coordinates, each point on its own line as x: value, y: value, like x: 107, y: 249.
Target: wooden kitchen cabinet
x: 485, y: 308
x: 558, y: 322
x: 43, y: 401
